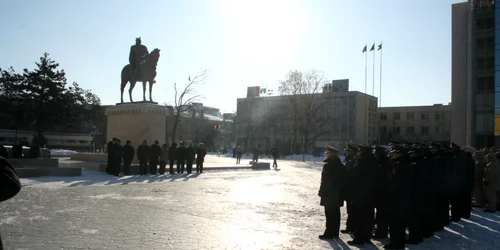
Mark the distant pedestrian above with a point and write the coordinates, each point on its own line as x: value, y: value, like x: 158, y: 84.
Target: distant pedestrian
x: 154, y: 158
x: 274, y: 152
x: 181, y: 158
x: 191, y: 154
x: 239, y: 153
x: 172, y: 156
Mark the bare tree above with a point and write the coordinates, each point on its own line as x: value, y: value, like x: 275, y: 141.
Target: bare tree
x: 308, y: 102
x: 185, y: 99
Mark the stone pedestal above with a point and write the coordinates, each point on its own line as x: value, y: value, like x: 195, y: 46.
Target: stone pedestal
x: 137, y: 122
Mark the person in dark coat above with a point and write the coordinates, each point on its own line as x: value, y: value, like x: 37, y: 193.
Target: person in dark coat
x: 275, y: 154
x: 350, y: 158
x: 418, y: 202
x: 172, y: 157
x: 439, y: 164
x: 163, y: 159
x: 200, y: 158
x: 362, y: 187
x: 383, y: 169
x: 479, y: 194
x: 466, y: 197
x: 191, y: 155
x: 398, y: 193
x: 239, y: 153
x: 429, y: 192
x: 110, y: 149
x: 11, y: 185
x: 181, y: 158
x: 154, y: 158
x: 331, y: 190
x: 457, y: 181
x: 128, y: 156
x: 142, y: 156
x: 118, y: 156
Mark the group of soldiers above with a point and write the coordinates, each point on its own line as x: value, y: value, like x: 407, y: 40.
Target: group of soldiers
x: 150, y: 157
x: 413, y: 186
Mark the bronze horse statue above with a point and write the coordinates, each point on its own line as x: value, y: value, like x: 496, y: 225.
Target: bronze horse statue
x: 148, y: 74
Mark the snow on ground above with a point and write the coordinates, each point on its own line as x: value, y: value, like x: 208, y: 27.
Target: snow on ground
x: 61, y: 152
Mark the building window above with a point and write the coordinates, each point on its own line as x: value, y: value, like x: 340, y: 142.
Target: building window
x: 439, y: 130
x: 439, y: 116
x: 424, y: 116
x: 383, y: 130
x: 424, y: 130
x: 395, y: 130
x: 410, y: 116
x: 410, y: 130
x: 383, y: 116
x: 395, y: 116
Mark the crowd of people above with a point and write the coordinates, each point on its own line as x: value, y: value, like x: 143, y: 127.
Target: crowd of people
x: 154, y: 159
x: 414, y: 186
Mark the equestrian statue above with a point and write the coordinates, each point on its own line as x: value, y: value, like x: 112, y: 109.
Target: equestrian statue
x: 141, y: 68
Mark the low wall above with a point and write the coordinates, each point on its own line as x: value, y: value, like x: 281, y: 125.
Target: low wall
x: 39, y: 163
x: 95, y: 157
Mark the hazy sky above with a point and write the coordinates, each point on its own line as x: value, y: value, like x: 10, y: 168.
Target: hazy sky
x: 241, y: 43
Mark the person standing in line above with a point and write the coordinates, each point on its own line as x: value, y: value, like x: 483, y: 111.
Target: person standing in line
x: 200, y: 158
x: 110, y: 149
x: 163, y: 158
x: 128, y: 156
x: 154, y: 158
x: 191, y: 154
x: 331, y: 191
x: 491, y: 182
x: 172, y: 157
x: 10, y: 183
x: 479, y: 196
x: 142, y: 156
x: 181, y: 158
x: 117, y: 162
x: 350, y: 158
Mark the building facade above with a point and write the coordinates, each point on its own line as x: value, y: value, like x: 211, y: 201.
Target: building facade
x: 476, y: 73
x: 415, y: 123
x: 351, y: 118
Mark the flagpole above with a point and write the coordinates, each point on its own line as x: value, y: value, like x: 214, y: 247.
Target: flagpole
x: 373, y: 85
x: 366, y: 79
x: 366, y: 68
x: 380, y: 95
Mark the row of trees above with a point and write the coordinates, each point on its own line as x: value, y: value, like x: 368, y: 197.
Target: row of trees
x: 42, y: 100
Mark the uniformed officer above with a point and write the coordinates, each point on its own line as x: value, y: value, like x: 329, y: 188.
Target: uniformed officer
x: 331, y: 190
x: 362, y: 187
x: 350, y: 158
x: 383, y: 169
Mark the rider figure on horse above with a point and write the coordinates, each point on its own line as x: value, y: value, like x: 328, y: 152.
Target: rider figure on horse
x: 138, y: 56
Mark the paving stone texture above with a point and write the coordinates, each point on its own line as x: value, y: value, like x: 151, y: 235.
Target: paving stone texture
x: 239, y: 209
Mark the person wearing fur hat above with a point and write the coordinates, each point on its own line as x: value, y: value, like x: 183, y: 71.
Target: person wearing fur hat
x: 350, y: 158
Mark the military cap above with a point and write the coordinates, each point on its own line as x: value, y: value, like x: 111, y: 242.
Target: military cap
x: 454, y: 146
x: 351, y: 147
x: 380, y: 150
x: 364, y: 147
x: 392, y: 141
x: 416, y: 149
x: 435, y: 145
x: 332, y: 149
x: 399, y: 149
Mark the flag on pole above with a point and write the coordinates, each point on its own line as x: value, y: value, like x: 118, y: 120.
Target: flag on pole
x: 380, y: 46
x: 364, y: 49
x: 373, y: 47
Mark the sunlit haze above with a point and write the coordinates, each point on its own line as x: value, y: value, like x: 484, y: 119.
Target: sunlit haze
x: 241, y: 43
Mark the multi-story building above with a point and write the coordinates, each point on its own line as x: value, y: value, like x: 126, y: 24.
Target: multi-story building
x: 475, y: 74
x: 351, y: 117
x: 415, y: 123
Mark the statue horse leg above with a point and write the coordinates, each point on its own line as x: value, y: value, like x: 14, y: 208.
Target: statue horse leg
x: 144, y: 90
x: 132, y: 85
x: 150, y: 90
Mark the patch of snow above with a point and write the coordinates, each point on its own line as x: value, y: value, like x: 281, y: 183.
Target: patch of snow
x: 9, y: 220
x: 37, y: 218
x: 89, y: 231
x: 61, y: 152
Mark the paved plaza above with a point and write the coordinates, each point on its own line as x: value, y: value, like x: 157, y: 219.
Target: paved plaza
x: 232, y: 209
